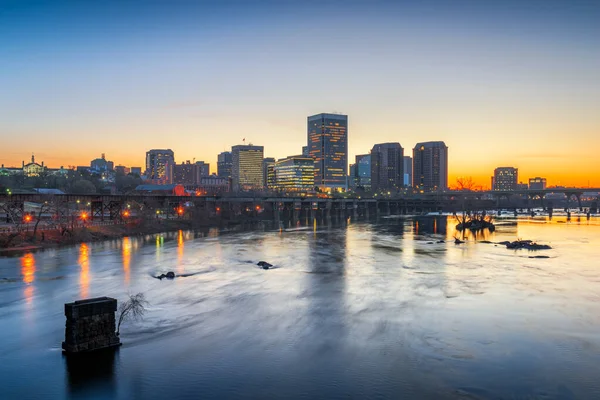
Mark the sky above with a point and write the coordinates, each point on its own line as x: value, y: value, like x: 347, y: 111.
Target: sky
x: 503, y: 83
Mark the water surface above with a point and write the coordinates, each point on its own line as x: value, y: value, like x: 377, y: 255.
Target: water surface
x: 352, y: 310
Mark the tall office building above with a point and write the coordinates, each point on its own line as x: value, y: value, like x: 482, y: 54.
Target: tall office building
x: 408, y: 171
x: 328, y: 147
x: 362, y: 175
x: 247, y: 167
x: 505, y: 179
x: 268, y: 163
x: 159, y: 165
x: 295, y: 174
x: 430, y: 166
x: 224, y: 164
x: 185, y: 173
x: 305, y: 151
x: 387, y: 166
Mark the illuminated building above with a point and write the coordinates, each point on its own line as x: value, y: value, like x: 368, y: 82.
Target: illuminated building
x: 505, y: 179
x: 33, y: 168
x: 295, y: 174
x: 305, y: 151
x: 387, y: 166
x: 430, y: 166
x: 408, y: 171
x: 247, y: 167
x: 268, y: 164
x: 159, y: 165
x: 537, y: 183
x: 224, y: 164
x: 101, y: 164
x: 328, y: 147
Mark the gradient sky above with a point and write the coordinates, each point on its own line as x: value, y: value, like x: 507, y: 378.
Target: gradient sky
x: 503, y: 83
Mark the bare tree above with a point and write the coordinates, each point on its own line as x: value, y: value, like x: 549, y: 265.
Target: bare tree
x: 466, y: 184
x: 134, y: 308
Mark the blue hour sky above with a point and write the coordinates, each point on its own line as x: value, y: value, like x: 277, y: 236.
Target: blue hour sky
x: 501, y: 82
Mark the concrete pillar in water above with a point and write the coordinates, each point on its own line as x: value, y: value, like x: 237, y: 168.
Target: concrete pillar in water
x: 90, y: 325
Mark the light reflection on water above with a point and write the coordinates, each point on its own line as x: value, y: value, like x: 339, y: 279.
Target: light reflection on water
x: 351, y: 309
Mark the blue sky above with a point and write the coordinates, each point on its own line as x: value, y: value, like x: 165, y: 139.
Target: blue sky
x: 81, y: 78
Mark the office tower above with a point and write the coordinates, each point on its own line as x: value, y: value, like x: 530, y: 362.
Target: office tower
x: 362, y: 175
x: 203, y: 169
x: 158, y: 164
x: 430, y: 166
x: 224, y: 164
x: 505, y: 179
x: 387, y: 166
x: 408, y: 171
x: 305, y: 151
x: 328, y: 147
x: 267, y: 163
x: 247, y: 167
x: 295, y: 174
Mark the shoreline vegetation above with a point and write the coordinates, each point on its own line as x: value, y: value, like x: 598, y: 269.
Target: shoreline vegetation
x: 15, y: 243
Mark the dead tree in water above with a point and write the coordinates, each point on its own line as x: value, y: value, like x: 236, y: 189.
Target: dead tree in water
x: 134, y: 308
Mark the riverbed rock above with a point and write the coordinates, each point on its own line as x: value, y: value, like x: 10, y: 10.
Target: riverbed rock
x: 168, y: 275
x: 458, y: 241
x: 526, y: 244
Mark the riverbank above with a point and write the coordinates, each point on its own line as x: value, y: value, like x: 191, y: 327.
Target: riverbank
x: 24, y: 242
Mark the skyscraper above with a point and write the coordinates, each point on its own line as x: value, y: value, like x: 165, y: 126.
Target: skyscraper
x: 328, y: 147
x: 430, y: 166
x: 408, y: 171
x: 247, y: 167
x: 505, y: 178
x: 224, y: 164
x: 158, y: 164
x: 203, y: 169
x: 387, y: 166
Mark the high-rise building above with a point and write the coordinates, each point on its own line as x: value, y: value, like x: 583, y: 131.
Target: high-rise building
x: 159, y: 165
x: 387, y: 166
x: 305, y: 151
x: 352, y: 177
x: 203, y: 169
x: 505, y: 179
x: 295, y: 174
x: 247, y: 167
x: 362, y: 175
x: 224, y: 164
x: 537, y: 183
x: 185, y: 174
x: 328, y: 147
x: 408, y: 171
x: 430, y: 166
x: 267, y: 165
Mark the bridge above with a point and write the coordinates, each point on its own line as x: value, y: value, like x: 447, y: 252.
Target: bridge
x: 99, y: 207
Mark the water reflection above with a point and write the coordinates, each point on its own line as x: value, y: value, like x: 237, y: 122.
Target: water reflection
x: 180, y: 251
x: 84, y: 263
x: 126, y: 251
x: 28, y: 272
x: 92, y: 374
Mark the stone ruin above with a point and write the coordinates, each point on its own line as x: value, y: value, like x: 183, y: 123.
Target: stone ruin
x: 90, y: 325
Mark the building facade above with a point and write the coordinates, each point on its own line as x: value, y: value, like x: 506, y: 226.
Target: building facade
x: 505, y: 179
x: 224, y: 164
x: 295, y: 174
x: 159, y: 165
x: 247, y: 167
x: 328, y: 147
x: 387, y: 167
x: 537, y: 183
x: 268, y: 163
x: 362, y: 174
x: 430, y: 166
x: 408, y: 166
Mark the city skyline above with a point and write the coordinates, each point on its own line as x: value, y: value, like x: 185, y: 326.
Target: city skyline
x: 508, y: 84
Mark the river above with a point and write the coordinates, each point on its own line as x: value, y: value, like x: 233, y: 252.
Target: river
x: 392, y: 309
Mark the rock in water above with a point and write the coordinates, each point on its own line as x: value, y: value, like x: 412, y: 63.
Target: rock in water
x: 457, y: 241
x: 264, y: 265
x: 170, y: 275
